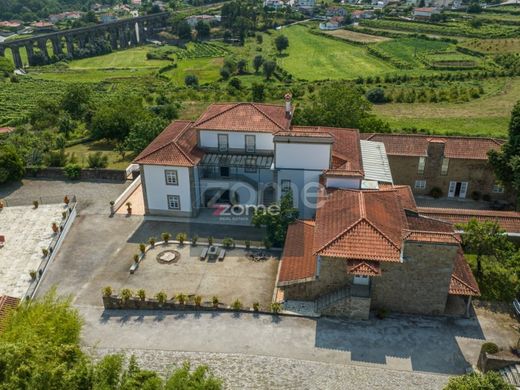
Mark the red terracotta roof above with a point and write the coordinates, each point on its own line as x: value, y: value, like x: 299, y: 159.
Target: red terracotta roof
x: 5, y: 130
x: 298, y: 261
x: 362, y: 225
x: 473, y: 148
x: 7, y: 303
x: 363, y: 268
x: 176, y: 146
x: 507, y: 220
x: 462, y: 280
x: 265, y: 118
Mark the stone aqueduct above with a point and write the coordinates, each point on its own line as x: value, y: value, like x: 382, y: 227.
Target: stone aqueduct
x: 121, y: 34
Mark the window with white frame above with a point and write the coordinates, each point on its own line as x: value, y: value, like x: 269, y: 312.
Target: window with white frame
x: 420, y: 184
x: 498, y: 188
x: 285, y: 186
x: 170, y: 176
x: 174, y: 202
x: 250, y: 143
x: 223, y: 144
x: 250, y: 166
x: 445, y: 165
x: 422, y: 164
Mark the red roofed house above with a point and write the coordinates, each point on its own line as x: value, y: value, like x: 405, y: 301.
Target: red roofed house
x: 372, y: 249
x: 458, y: 166
x: 249, y: 154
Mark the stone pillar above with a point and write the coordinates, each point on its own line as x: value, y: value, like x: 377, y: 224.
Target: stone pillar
x: 123, y: 39
x: 113, y: 38
x: 70, y: 45
x: 17, y: 59
x: 56, y: 45
x: 30, y: 53
x: 81, y: 41
x: 133, y: 34
x: 42, y: 45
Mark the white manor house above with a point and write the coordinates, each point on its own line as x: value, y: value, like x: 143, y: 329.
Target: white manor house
x: 250, y: 154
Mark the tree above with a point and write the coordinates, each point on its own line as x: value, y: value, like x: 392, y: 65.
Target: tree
x: 276, y: 223
x: 490, y: 381
x: 200, y: 378
x: 257, y: 92
x: 506, y: 161
x: 12, y: 167
x: 76, y: 100
x: 143, y: 132
x: 45, y: 114
x: 241, y: 66
x: 268, y: 67
x: 113, y: 119
x: 257, y: 63
x: 484, y: 239
x: 203, y: 30
x: 235, y: 83
x: 340, y: 105
x: 281, y: 43
x: 225, y: 73
x: 184, y: 30
x: 376, y: 95
x: 474, y: 8
x: 191, y: 80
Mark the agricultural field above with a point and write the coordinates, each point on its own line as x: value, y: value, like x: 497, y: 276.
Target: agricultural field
x: 356, y: 36
x: 122, y: 59
x: 206, y: 69
x: 408, y: 49
x: 493, y: 46
x: 314, y: 57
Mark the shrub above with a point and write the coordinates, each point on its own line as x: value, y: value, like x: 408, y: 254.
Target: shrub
x: 36, y: 204
x: 45, y: 252
x: 161, y: 297
x: 166, y: 237
x: 191, y: 80
x: 64, y: 215
x: 126, y: 294
x: 107, y: 291
x: 141, y: 294
x: 197, y: 300
x: 489, y: 348
x: 490, y: 380
x: 32, y: 274
x: 256, y: 306
x: 276, y: 307
x: 142, y: 247
x: 215, y: 301
x: 228, y: 242
x: 151, y: 241
x: 194, y: 240
x: 225, y: 73
x: 210, y: 240
x: 136, y: 258
x: 72, y: 171
x: 248, y: 244
x: 376, y: 95
x: 97, y: 160
x: 181, y: 298
x: 436, y: 192
x: 181, y: 237
x: 236, y: 305
x: 267, y: 244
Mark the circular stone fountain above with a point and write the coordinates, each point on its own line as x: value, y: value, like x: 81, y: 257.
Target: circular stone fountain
x: 168, y: 257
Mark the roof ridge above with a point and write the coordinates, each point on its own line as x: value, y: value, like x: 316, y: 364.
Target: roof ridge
x: 233, y: 105
x: 497, y: 140
x: 167, y: 143
x: 266, y: 116
x: 464, y: 283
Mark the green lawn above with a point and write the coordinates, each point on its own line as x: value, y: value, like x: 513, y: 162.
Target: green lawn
x: 313, y: 57
x: 115, y: 161
x: 206, y: 69
x: 130, y: 58
x: 406, y: 49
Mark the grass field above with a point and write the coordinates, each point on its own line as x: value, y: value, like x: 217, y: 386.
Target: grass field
x: 356, y: 36
x: 485, y: 116
x: 313, y: 57
x: 131, y: 58
x: 494, y: 46
x: 115, y: 161
x: 407, y: 49
x: 206, y: 69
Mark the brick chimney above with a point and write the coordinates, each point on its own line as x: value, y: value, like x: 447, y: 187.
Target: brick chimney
x: 288, y: 107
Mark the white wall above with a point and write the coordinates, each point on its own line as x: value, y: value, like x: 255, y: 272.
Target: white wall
x: 302, y: 156
x: 247, y: 195
x: 157, y: 189
x: 304, y: 185
x: 343, y: 182
x: 237, y: 140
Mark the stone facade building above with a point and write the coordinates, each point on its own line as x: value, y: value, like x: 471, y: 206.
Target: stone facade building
x: 457, y: 166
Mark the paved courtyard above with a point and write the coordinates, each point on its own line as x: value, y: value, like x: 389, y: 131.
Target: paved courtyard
x: 27, y: 230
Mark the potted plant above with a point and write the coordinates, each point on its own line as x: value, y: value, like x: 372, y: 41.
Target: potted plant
x: 228, y: 243
x: 35, y: 204
x: 210, y: 240
x: 276, y: 307
x: 55, y: 227
x: 215, y: 302
x: 129, y: 208
x: 64, y: 215
x: 126, y: 294
x: 66, y: 200
x: 197, y: 300
x: 248, y: 244
x: 236, y: 305
x: 181, y: 298
x: 142, y: 248
x: 136, y: 258
x: 32, y: 274
x: 151, y: 241
x: 107, y: 291
x: 161, y: 298
x: 141, y: 294
x: 45, y: 252
x: 256, y: 306
x: 166, y: 237
x: 1, y: 205
x: 181, y: 237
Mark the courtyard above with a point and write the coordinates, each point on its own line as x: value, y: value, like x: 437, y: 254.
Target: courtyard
x: 27, y: 230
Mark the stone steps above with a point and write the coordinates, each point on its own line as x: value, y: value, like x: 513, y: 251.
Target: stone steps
x: 332, y: 297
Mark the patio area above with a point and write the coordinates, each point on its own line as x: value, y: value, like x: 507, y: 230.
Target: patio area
x: 27, y: 230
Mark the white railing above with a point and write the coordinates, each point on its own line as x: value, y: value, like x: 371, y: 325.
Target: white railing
x: 126, y: 194
x: 131, y: 168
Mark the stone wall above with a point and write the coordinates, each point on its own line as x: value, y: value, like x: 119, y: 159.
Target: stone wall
x: 332, y: 276
x: 116, y: 175
x: 477, y: 173
x: 353, y: 307
x: 418, y: 285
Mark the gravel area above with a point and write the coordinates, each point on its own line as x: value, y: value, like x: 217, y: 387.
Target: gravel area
x: 263, y: 372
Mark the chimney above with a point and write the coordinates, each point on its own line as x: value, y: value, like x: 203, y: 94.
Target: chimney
x: 288, y: 108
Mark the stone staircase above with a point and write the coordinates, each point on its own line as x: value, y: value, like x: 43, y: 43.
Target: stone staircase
x: 331, y: 298
x: 511, y: 374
